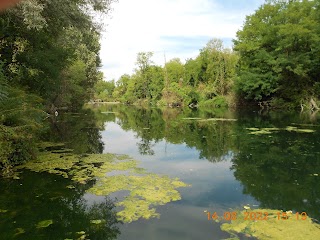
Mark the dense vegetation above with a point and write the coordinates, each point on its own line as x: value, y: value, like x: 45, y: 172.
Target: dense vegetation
x: 279, y: 53
x: 49, y: 61
x: 275, y: 62
x: 207, y: 80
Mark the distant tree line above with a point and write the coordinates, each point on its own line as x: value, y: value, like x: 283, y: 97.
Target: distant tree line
x: 274, y: 63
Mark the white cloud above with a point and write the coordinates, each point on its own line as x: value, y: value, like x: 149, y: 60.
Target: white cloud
x: 157, y: 25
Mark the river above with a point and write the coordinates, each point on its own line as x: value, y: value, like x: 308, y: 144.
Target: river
x: 228, y: 159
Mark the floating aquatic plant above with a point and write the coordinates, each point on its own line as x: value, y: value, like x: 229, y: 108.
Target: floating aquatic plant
x: 219, y: 119
x: 295, y: 129
x: 261, y: 131
x: 44, y: 223
x: 272, y: 228
x: 190, y: 118
x: 97, y: 221
x: 18, y: 231
x: 146, y: 190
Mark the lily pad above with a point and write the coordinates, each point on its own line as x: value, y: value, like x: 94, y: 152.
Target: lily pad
x: 44, y: 224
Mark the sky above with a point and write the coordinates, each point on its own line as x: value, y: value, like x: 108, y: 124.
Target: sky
x: 169, y: 28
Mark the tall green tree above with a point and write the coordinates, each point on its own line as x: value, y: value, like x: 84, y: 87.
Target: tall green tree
x: 49, y: 57
x: 279, y: 52
x: 144, y: 62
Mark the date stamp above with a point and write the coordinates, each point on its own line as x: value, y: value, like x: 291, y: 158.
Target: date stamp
x: 255, y: 216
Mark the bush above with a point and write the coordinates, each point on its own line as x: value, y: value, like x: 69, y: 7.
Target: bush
x: 16, y: 146
x: 21, y: 121
x: 216, y: 102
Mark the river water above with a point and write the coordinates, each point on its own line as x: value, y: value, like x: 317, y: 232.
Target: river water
x: 230, y: 159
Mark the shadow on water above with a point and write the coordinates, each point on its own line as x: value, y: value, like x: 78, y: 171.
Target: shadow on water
x: 37, y: 198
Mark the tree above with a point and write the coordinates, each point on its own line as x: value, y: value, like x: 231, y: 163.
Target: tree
x: 144, y: 62
x: 104, y: 90
x: 49, y: 59
x: 121, y: 87
x: 278, y: 48
x: 175, y: 70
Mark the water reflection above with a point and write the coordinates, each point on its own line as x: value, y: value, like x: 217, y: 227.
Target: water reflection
x: 213, y: 140
x: 38, y: 197
x: 280, y: 170
x: 226, y: 165
x: 79, y: 131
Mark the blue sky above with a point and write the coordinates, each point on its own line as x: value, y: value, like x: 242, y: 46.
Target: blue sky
x: 177, y: 27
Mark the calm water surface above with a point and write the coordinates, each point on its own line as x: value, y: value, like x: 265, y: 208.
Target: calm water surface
x: 227, y: 166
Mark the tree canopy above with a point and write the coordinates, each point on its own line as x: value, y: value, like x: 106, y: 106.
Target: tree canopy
x: 279, y: 52
x: 49, y: 60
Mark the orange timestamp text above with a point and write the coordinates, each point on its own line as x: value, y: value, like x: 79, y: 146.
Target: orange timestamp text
x: 255, y: 216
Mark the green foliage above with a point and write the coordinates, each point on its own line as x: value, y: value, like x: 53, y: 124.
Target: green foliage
x: 216, y: 102
x: 104, y: 90
x: 49, y: 59
x: 278, y: 48
x: 16, y: 146
x: 121, y: 87
x: 20, y: 120
x: 211, y: 74
x: 175, y: 70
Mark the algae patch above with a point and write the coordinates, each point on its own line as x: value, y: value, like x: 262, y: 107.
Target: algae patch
x: 44, y: 224
x: 97, y: 221
x: 272, y: 228
x: 18, y: 231
x: 146, y: 190
x: 261, y: 131
x: 219, y: 119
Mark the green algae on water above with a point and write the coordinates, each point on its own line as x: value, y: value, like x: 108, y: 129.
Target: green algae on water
x: 261, y: 131
x: 191, y: 118
x: 219, y: 119
x: 18, y: 231
x: 295, y: 129
x: 146, y: 190
x: 44, y: 224
x: 272, y: 228
x: 97, y: 221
